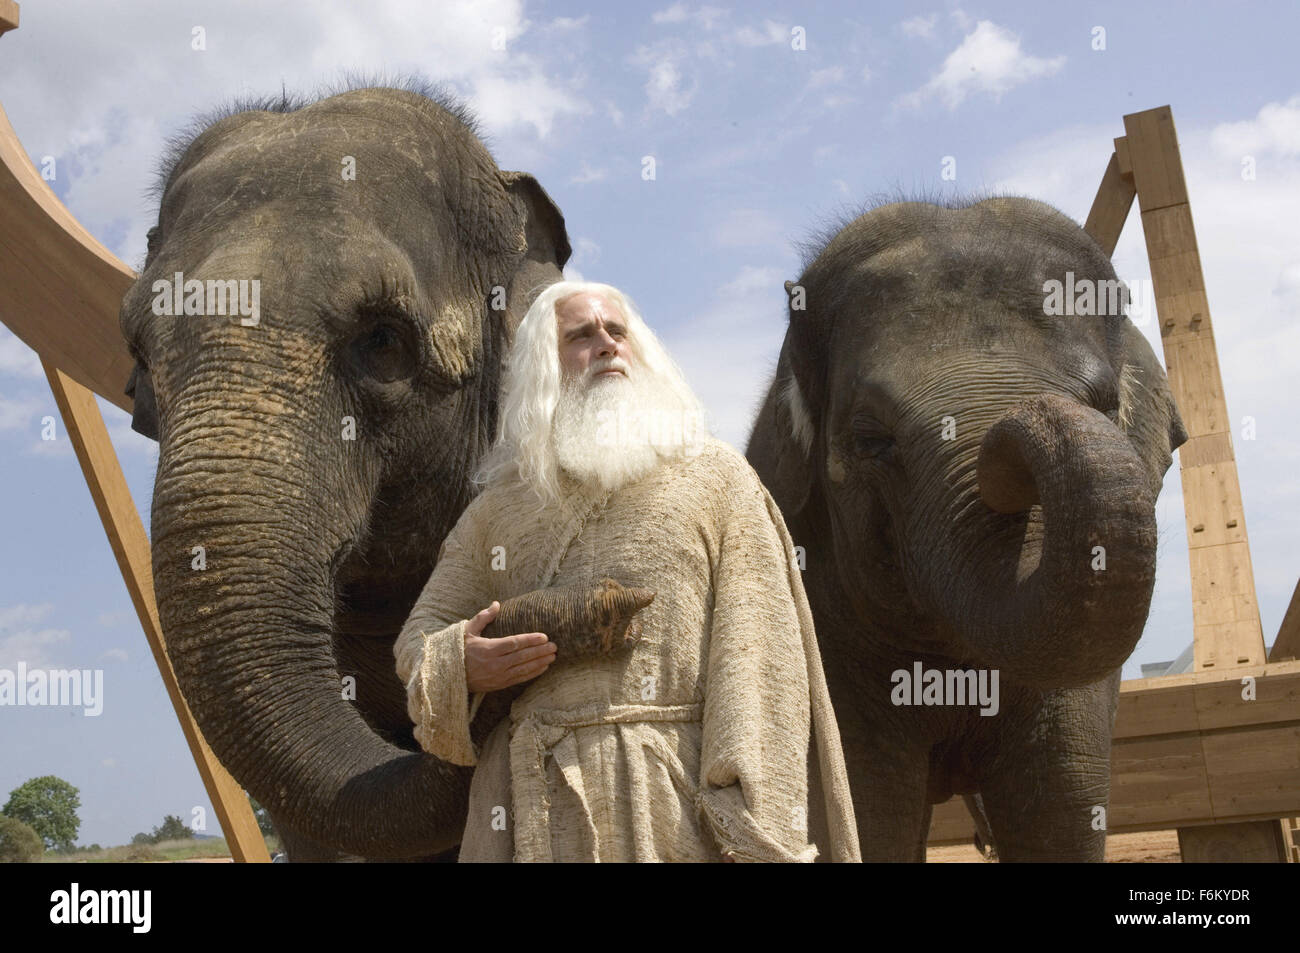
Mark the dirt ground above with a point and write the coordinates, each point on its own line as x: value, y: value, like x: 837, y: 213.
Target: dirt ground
x: 1149, y: 847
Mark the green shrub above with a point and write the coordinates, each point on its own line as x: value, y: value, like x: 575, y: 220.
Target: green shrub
x: 19, y: 843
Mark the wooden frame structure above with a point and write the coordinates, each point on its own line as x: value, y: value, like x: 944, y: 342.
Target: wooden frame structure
x: 1195, y: 751
x: 1189, y: 751
x: 60, y: 292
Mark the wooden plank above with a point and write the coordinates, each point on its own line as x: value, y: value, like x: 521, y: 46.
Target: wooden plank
x: 1161, y: 774
x: 1191, y: 359
x: 1123, y: 157
x: 60, y: 289
x: 1287, y: 644
x: 1158, y: 710
x: 1110, y: 208
x: 126, y: 535
x: 1254, y: 842
x: 8, y: 16
x: 1225, y: 702
x: 950, y: 823
x: 1254, y: 771
x: 1218, y: 517
x: 1159, y: 780
x: 1207, y: 449
x: 1225, y: 612
x: 1157, y: 165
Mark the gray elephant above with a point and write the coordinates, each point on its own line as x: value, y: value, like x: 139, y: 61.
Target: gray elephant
x: 972, y: 471
x: 317, y: 440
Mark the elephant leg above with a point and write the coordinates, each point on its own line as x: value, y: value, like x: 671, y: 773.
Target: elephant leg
x: 1047, y: 789
x: 888, y: 774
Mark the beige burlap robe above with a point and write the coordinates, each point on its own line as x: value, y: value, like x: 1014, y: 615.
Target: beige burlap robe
x: 695, y: 743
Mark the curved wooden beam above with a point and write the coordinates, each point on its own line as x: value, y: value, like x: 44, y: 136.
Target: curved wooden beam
x: 60, y: 289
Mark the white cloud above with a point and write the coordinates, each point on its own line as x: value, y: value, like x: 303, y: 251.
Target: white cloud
x: 825, y: 77
x: 769, y: 34
x: 1275, y: 130
x: 21, y: 641
x: 587, y: 174
x: 665, y: 87
x: 569, y: 23
x: 919, y: 26
x: 17, y: 358
x: 585, y: 253
x: 677, y: 13
x: 729, y: 349
x: 705, y: 16
x: 18, y: 413
x: 115, y: 654
x: 989, y: 60
x: 106, y: 153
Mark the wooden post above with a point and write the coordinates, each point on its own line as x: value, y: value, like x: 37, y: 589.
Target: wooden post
x: 99, y: 464
x: 8, y: 16
x: 1226, y: 630
x: 1225, y: 614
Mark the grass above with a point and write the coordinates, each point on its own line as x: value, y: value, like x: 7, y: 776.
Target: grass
x: 185, y: 848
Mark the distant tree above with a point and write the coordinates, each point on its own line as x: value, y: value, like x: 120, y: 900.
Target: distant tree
x: 19, y: 844
x: 172, y: 828
x: 262, y: 815
x: 142, y: 838
x: 48, y: 805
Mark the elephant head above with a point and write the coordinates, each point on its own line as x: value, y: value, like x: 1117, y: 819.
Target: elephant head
x: 317, y: 442
x: 981, y: 471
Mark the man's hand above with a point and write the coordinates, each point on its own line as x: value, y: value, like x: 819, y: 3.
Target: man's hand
x: 494, y: 664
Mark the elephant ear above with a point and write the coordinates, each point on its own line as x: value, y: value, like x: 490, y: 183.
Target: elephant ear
x: 545, y: 248
x: 1147, y: 412
x: 785, y: 440
x: 144, y: 406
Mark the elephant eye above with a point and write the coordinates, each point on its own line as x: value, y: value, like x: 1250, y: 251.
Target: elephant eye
x: 872, y: 440
x: 382, y: 351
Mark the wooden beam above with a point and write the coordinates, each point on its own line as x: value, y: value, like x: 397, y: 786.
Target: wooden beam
x: 1226, y: 627
x: 1190, y: 750
x: 99, y: 464
x: 8, y: 16
x: 1111, y: 207
x: 1287, y: 644
x: 60, y: 289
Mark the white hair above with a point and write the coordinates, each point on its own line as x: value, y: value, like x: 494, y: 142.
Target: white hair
x: 533, y: 385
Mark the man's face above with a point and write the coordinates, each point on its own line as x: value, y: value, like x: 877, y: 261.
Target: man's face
x: 592, y: 331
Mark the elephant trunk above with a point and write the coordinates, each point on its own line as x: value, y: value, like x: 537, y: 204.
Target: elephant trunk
x: 249, y: 626
x: 1059, y: 601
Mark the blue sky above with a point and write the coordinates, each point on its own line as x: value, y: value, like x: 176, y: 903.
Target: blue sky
x: 755, y: 144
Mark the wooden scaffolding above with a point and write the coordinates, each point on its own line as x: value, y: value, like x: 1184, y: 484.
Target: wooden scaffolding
x: 1189, y: 751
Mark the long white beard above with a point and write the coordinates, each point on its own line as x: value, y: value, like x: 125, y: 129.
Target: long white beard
x: 611, y: 431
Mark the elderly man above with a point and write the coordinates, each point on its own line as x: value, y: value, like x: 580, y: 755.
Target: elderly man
x: 694, y: 743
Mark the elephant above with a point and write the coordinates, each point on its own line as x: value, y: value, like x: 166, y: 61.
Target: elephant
x: 316, y: 449
x: 971, y: 465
